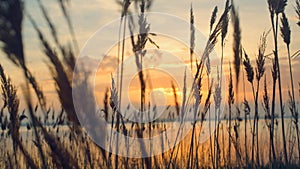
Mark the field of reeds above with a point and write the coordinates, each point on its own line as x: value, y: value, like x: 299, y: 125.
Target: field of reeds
x: 227, y: 126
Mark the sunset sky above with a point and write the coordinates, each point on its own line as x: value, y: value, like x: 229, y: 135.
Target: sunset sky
x: 91, y: 15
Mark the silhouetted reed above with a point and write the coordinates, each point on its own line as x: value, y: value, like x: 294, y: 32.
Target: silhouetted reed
x: 55, y: 139
x: 230, y: 102
x: 11, y: 36
x: 297, y: 9
x: 276, y: 8
x: 236, y: 45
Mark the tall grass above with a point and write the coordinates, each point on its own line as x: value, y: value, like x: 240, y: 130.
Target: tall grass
x: 49, y: 145
x: 276, y: 8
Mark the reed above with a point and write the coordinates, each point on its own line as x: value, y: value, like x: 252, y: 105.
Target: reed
x: 139, y: 51
x: 48, y: 145
x: 260, y: 71
x: 230, y: 103
x: 276, y: 8
x: 11, y: 101
x: 192, y: 36
x: 9, y: 93
x: 268, y: 117
x: 11, y: 21
x: 63, y: 6
x: 236, y: 44
x: 218, y: 90
x: 297, y: 9
x: 286, y: 35
x: 62, y: 156
x: 236, y: 128
x: 212, y: 150
x: 274, y: 78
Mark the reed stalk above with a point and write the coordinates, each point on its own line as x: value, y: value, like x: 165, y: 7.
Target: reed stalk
x: 230, y: 103
x: 286, y: 35
x: 276, y: 8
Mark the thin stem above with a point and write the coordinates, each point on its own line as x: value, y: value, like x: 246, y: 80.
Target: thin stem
x: 280, y: 96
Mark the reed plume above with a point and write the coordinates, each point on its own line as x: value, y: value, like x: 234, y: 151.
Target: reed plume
x: 277, y: 7
x: 224, y: 31
x: 286, y: 35
x: 9, y: 95
x: 192, y: 36
x: 213, y: 18
x: 11, y: 17
x: 260, y: 70
x: 11, y: 101
x: 297, y: 9
x: 59, y: 75
x: 236, y: 44
x: 138, y: 47
x: 62, y: 156
x: 285, y: 30
x: 248, y: 68
x: 218, y: 90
